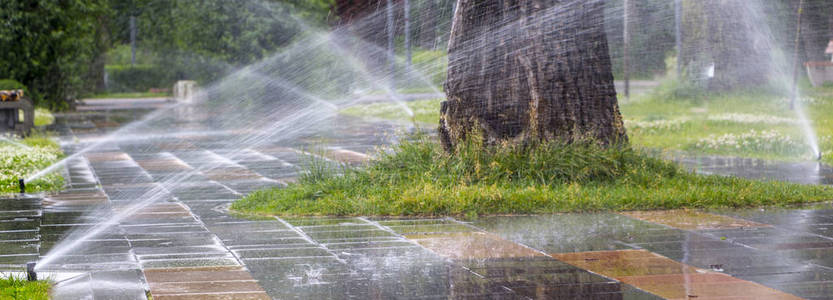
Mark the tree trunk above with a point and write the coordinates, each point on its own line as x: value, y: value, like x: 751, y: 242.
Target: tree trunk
x: 528, y: 70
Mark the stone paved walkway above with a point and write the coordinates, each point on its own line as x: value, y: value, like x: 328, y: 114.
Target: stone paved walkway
x: 188, y: 246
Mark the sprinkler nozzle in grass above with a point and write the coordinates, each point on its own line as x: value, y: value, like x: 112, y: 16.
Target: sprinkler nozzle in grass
x: 30, y: 272
x: 819, y: 158
x: 22, y: 185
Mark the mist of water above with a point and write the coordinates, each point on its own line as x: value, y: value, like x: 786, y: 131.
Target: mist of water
x: 275, y: 100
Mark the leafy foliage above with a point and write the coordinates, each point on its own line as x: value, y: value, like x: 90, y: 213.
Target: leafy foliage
x: 19, y: 288
x: 203, y: 40
x: 53, y: 47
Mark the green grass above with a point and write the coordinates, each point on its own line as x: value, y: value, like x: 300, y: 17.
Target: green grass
x: 417, y: 178
x: 43, y: 117
x: 425, y: 111
x: 19, y: 288
x: 19, y: 162
x: 757, y: 124
x: 674, y: 117
x: 128, y: 95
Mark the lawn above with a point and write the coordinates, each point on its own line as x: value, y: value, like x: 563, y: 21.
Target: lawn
x: 43, y: 117
x: 21, y: 158
x: 748, y: 124
x: 425, y: 111
x: 418, y: 178
x: 19, y: 288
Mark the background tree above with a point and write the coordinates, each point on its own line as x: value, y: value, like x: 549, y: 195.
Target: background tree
x: 748, y: 41
x: 54, y: 47
x: 651, y: 35
x: 530, y: 70
x: 204, y: 40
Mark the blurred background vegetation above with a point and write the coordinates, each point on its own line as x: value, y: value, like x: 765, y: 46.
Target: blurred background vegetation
x: 67, y: 49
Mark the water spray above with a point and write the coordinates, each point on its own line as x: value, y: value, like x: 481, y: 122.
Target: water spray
x: 22, y: 184
x: 30, y: 271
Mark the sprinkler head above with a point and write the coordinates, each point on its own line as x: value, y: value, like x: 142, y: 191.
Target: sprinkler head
x: 819, y: 158
x: 30, y: 272
x: 22, y: 185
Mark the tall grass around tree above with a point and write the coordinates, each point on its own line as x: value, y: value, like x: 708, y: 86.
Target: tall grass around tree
x: 418, y: 178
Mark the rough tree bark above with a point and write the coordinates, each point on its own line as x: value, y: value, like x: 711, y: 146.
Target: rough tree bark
x: 523, y: 70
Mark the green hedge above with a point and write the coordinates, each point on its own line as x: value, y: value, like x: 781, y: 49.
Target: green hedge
x: 139, y: 78
x: 11, y: 84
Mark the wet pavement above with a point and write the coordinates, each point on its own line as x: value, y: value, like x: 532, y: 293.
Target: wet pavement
x: 187, y: 245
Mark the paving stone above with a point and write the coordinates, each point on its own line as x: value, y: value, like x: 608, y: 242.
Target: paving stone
x: 665, y: 277
x: 692, y: 219
x: 203, y: 283
x: 472, y: 245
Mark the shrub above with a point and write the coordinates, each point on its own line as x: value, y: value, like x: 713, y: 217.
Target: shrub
x: 11, y: 84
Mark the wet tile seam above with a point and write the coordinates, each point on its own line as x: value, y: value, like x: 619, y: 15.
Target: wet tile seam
x: 307, y: 238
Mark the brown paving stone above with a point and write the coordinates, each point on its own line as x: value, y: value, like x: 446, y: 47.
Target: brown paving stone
x: 106, y: 156
x: 213, y: 286
x: 164, y: 207
x: 203, y: 283
x: 692, y: 219
x: 207, y: 296
x: 667, y: 278
x: 688, y: 287
x: 165, y: 164
x: 178, y: 146
x: 197, y: 274
x: 233, y: 174
x: 472, y: 245
x: 624, y: 263
x: 167, y: 210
